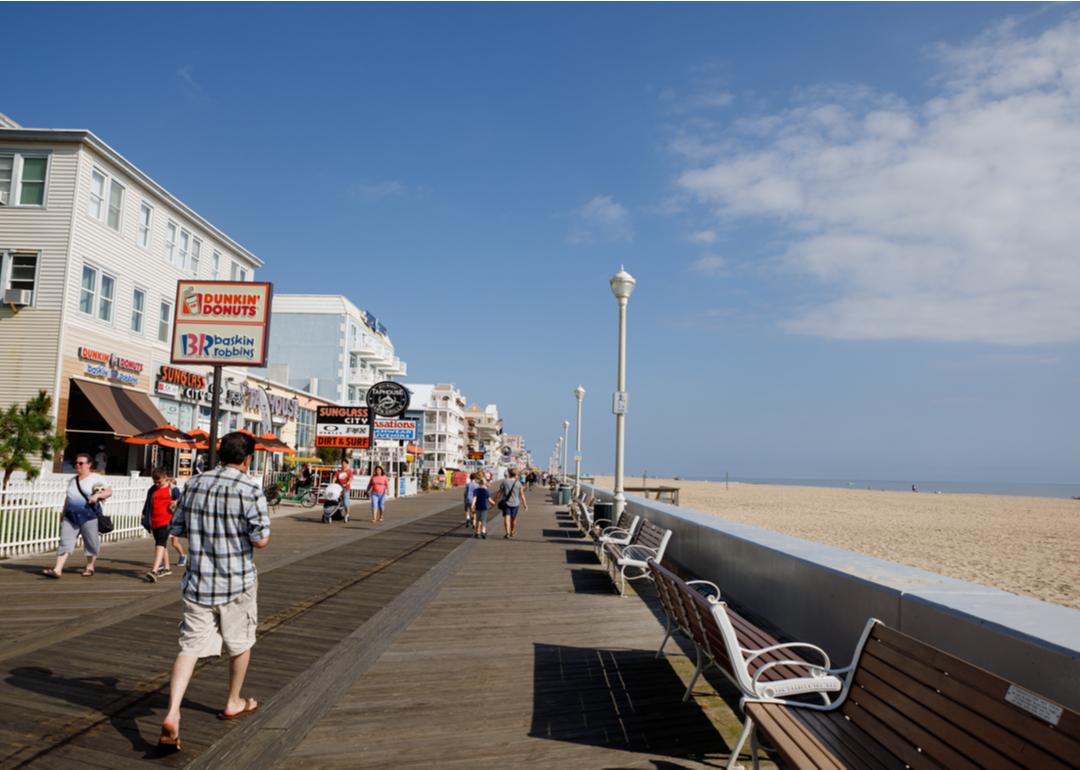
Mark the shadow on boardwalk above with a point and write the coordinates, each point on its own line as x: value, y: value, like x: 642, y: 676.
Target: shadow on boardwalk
x: 618, y: 699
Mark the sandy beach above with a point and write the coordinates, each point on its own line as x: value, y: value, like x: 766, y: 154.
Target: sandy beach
x: 1025, y: 545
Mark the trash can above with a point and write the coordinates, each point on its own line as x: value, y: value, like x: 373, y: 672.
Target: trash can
x: 564, y: 494
x: 602, y: 509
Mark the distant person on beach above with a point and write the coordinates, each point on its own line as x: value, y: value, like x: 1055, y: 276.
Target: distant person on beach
x: 470, y: 490
x: 510, y: 498
x: 79, y: 516
x: 914, y: 488
x: 479, y: 507
x: 376, y: 489
x: 158, y: 510
x: 224, y: 516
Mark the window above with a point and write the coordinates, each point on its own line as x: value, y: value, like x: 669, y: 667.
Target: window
x: 164, y: 321
x: 196, y: 250
x: 116, y: 203
x: 96, y: 206
x: 182, y: 257
x: 18, y: 270
x: 215, y: 266
x: 88, y: 292
x: 170, y: 242
x: 106, y: 201
x: 238, y: 273
x: 22, y: 178
x: 138, y: 305
x: 105, y: 298
x: 146, y: 213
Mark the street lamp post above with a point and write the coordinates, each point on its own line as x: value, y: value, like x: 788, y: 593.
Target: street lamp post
x: 579, y: 393
x: 622, y: 286
x: 565, y: 446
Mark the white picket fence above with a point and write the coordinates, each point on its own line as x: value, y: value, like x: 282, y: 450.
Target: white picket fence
x: 30, y: 512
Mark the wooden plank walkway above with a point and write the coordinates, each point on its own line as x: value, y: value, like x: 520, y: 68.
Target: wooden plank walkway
x: 408, y: 644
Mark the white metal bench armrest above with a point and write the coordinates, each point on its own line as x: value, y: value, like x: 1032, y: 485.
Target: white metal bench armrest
x: 825, y: 665
x: 604, y: 522
x: 637, y: 553
x: 710, y: 584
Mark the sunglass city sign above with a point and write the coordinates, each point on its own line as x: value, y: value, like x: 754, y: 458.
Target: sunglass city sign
x: 221, y: 322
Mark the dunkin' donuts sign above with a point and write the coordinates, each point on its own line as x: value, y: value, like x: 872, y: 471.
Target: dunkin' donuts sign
x: 221, y: 322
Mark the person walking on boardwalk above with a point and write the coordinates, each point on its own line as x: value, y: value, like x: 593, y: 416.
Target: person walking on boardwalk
x: 376, y: 490
x: 344, y: 477
x: 479, y: 507
x: 223, y: 513
x: 79, y: 516
x: 470, y: 490
x: 157, y: 514
x: 511, y: 497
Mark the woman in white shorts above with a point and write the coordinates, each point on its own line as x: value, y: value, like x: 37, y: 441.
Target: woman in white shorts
x: 79, y: 517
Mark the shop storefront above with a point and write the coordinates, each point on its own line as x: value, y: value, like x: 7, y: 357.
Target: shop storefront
x: 103, y: 400
x: 184, y: 398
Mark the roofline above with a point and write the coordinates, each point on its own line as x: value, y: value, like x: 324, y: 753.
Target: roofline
x: 85, y: 136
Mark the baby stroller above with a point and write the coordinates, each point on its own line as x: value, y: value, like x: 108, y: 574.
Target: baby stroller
x: 334, y: 509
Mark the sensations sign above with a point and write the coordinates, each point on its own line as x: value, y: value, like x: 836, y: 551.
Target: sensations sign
x: 221, y: 322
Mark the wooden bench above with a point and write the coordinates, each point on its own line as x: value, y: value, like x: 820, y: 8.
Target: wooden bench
x: 581, y: 511
x: 755, y: 662
x: 650, y: 541
x: 908, y: 704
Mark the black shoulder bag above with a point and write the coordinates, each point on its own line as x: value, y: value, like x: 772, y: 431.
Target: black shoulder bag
x: 105, y: 523
x: 502, y: 503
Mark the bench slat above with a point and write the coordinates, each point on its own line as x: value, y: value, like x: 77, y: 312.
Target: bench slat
x: 951, y: 677
x: 921, y: 726
x: 865, y: 713
x: 852, y: 746
x: 978, y: 737
x: 797, y: 745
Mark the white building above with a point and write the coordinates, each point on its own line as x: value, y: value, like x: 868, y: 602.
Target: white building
x: 327, y: 346
x: 483, y: 433
x: 91, y: 249
x: 445, y: 427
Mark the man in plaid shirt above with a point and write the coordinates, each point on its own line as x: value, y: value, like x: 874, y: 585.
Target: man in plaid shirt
x: 223, y: 514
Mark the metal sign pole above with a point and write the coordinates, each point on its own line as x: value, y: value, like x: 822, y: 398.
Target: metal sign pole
x: 215, y: 405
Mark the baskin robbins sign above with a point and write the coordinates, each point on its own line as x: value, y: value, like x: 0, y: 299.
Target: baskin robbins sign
x: 221, y: 322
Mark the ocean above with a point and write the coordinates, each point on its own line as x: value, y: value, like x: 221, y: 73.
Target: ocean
x: 954, y: 487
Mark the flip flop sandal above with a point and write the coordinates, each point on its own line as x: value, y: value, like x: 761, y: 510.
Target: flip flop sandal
x: 168, y: 744
x: 238, y: 715
x: 51, y: 573
x: 87, y: 573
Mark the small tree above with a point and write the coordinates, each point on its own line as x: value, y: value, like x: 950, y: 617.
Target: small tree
x: 26, y: 434
x: 329, y: 455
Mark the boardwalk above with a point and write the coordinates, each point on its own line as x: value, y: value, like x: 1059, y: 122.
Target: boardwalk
x: 407, y: 645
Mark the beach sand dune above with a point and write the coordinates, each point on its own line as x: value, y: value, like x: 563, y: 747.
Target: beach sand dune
x: 1025, y: 545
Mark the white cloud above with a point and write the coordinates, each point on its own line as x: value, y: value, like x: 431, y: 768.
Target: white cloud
x: 601, y: 220
x: 955, y: 219
x: 185, y: 76
x: 710, y: 264
x: 703, y: 236
x: 373, y: 190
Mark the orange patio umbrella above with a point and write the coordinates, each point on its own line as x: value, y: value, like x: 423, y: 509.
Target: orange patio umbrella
x: 268, y: 442
x: 163, y: 435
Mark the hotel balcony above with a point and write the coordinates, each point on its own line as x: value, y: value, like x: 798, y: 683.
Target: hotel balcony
x: 364, y: 377
x: 365, y: 346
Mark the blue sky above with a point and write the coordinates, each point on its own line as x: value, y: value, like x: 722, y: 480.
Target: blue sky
x: 853, y: 227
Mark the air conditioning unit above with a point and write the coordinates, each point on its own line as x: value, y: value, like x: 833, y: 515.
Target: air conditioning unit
x: 3, y: 197
x: 18, y: 297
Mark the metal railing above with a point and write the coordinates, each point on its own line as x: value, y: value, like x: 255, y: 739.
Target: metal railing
x: 30, y: 512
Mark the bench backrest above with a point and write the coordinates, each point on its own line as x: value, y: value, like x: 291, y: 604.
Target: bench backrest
x: 652, y: 536
x: 627, y: 522
x: 927, y: 705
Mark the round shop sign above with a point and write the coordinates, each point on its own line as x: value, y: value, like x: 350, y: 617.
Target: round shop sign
x: 388, y: 399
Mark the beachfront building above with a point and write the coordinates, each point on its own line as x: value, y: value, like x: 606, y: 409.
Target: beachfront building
x: 91, y: 249
x: 285, y: 411
x: 444, y: 426
x: 325, y: 345
x: 483, y: 432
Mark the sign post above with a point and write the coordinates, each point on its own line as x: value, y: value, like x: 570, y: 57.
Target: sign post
x: 220, y: 323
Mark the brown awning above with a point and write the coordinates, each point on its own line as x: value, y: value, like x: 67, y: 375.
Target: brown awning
x: 128, y: 412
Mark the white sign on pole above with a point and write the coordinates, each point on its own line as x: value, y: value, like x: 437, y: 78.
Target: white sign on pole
x: 618, y: 402
x: 221, y: 322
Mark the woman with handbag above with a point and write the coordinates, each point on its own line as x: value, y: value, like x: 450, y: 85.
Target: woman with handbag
x: 80, y: 516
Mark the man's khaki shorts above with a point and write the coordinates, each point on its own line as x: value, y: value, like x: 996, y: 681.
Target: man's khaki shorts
x: 205, y: 629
